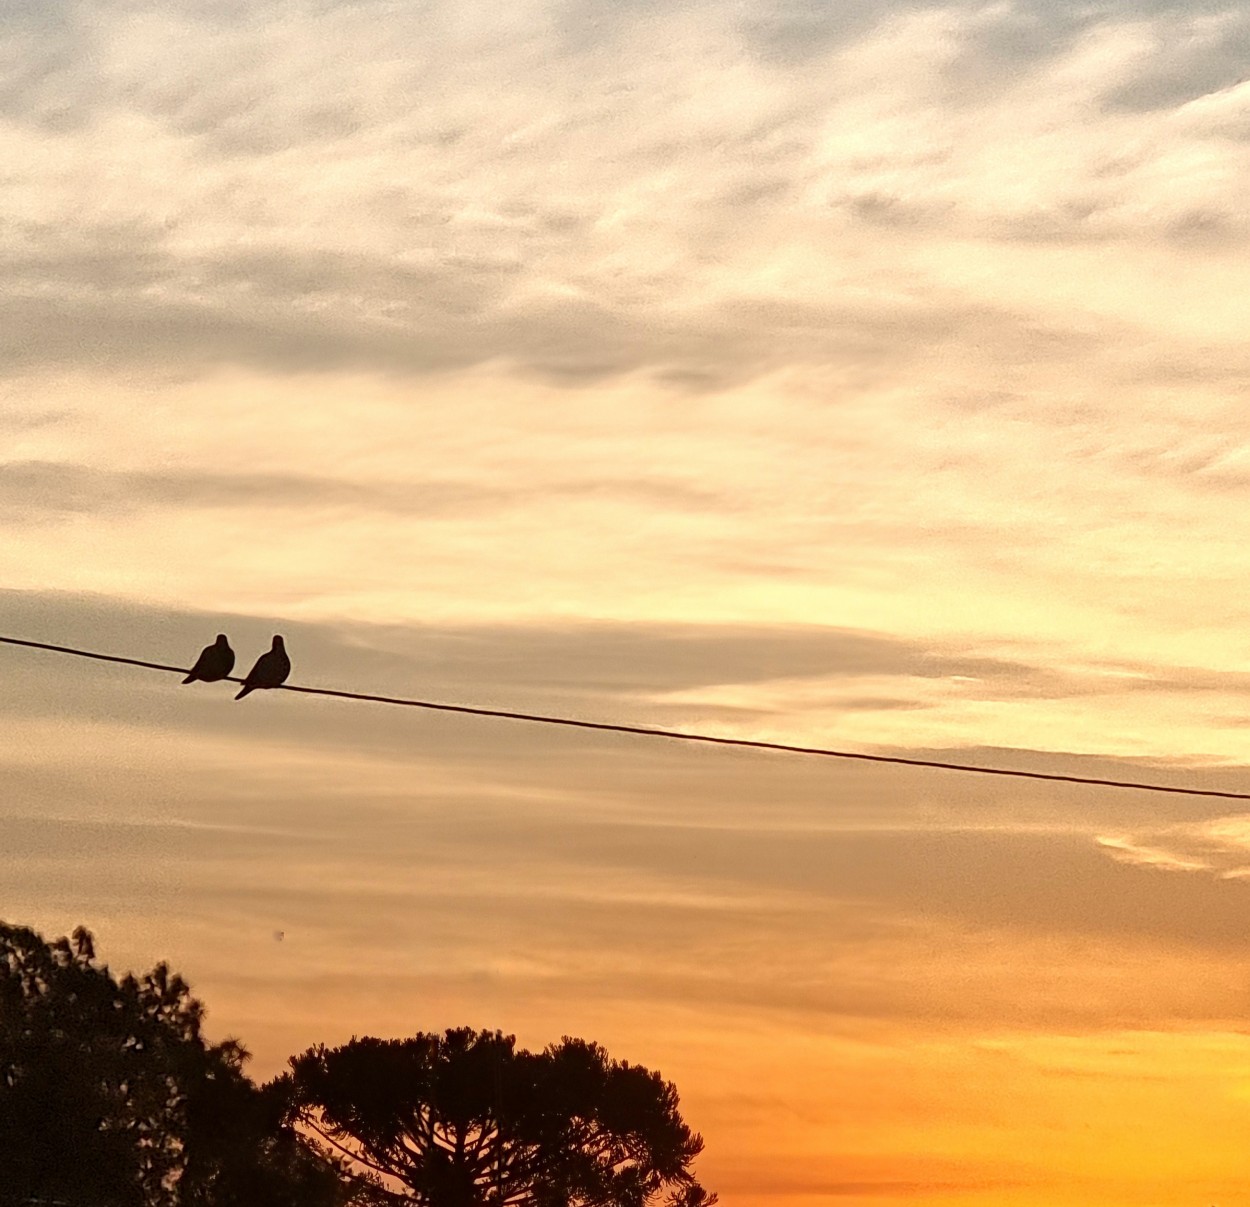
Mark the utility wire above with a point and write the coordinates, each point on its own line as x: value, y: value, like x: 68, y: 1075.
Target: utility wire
x: 673, y: 734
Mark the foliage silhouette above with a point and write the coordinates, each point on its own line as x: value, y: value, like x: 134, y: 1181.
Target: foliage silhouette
x: 111, y: 1097
x: 465, y: 1119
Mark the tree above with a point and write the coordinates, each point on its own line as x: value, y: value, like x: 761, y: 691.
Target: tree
x: 111, y: 1097
x: 466, y: 1119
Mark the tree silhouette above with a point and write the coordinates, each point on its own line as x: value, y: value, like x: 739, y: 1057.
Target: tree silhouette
x: 111, y: 1097
x: 466, y: 1119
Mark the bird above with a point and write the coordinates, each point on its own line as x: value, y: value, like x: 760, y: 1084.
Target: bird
x: 271, y: 669
x: 215, y: 662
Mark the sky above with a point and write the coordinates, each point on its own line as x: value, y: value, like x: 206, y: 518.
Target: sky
x: 863, y: 374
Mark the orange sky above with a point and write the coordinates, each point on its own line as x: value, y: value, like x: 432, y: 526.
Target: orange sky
x: 870, y: 375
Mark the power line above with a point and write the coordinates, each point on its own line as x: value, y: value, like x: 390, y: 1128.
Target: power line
x: 672, y: 734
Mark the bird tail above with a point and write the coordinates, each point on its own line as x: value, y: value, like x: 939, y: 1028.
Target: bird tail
x: 191, y: 678
x: 247, y: 687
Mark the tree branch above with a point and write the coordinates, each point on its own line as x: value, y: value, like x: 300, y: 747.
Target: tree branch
x: 347, y: 1152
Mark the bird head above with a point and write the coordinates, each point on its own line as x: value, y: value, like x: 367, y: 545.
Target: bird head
x: 222, y: 639
x: 277, y: 643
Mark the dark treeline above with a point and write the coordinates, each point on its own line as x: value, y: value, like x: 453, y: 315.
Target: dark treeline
x: 110, y: 1096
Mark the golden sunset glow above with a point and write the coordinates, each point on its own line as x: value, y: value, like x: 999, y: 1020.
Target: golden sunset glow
x: 870, y: 375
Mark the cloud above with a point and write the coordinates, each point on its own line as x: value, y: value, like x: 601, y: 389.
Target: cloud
x: 611, y: 671
x: 639, y: 673
x: 40, y: 491
x: 632, y: 673
x: 641, y: 659
x: 964, y: 930
x: 1218, y: 847
x: 115, y: 301
x: 22, y: 419
x: 796, y: 31
x: 35, y: 491
x: 1189, y: 54
x: 485, y: 233
x: 787, y: 683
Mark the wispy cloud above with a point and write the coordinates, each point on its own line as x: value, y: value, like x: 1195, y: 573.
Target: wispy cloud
x: 664, y: 254
x: 42, y: 491
x: 1219, y: 847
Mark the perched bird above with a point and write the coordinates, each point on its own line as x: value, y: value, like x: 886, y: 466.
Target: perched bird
x: 271, y: 669
x: 215, y: 662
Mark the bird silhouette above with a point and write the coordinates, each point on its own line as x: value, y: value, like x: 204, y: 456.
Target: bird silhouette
x: 271, y: 669
x: 215, y: 662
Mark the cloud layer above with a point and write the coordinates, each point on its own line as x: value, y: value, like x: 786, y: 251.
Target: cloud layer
x: 695, y: 193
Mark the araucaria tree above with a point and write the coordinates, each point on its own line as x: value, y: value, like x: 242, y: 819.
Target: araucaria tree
x: 465, y: 1119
